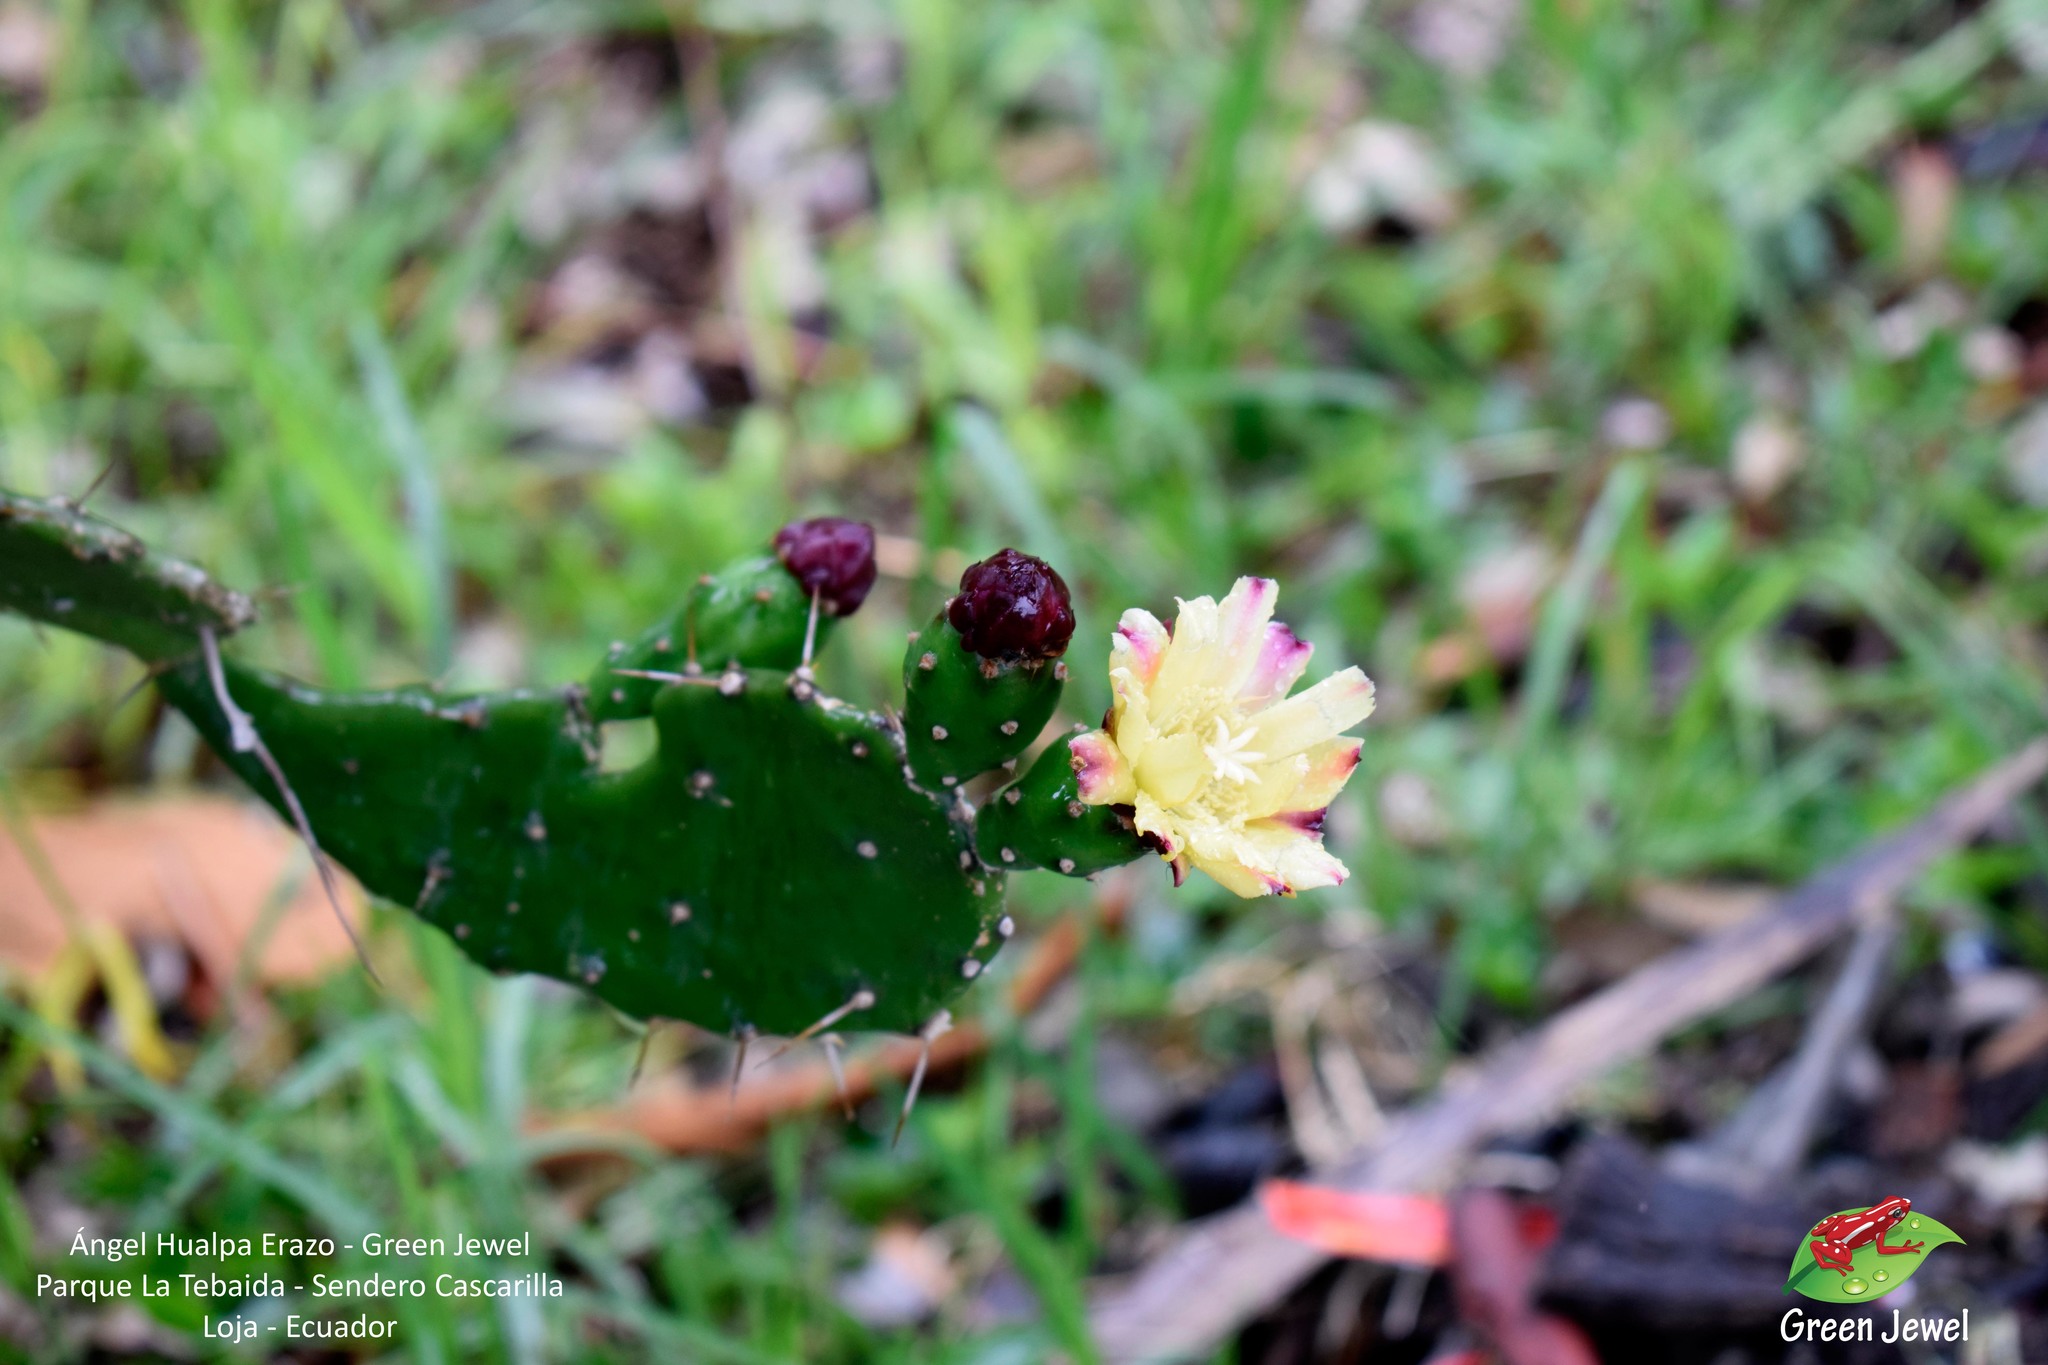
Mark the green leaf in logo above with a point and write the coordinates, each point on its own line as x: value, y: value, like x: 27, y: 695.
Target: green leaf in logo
x: 1872, y: 1274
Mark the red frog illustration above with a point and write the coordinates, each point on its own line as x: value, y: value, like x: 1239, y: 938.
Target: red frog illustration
x: 1836, y: 1237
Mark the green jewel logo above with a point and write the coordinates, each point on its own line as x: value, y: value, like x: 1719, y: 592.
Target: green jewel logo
x: 1862, y: 1254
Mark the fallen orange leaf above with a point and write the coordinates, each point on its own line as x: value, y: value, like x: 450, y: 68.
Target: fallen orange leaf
x: 202, y: 870
x: 1498, y: 1260
x: 1412, y: 1229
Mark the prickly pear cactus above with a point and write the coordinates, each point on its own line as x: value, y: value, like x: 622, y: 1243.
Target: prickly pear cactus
x: 785, y: 861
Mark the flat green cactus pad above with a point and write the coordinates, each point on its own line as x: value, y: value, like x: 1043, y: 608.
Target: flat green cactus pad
x: 1041, y: 821
x: 963, y: 714
x: 765, y: 867
x: 752, y: 612
x: 60, y: 565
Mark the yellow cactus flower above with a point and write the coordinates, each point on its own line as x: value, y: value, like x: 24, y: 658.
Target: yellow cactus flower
x: 1220, y: 767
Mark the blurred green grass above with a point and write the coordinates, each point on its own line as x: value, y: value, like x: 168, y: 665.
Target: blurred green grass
x: 278, y: 263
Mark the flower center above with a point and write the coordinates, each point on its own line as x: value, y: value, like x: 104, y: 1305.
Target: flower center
x: 1203, y: 762
x: 1229, y: 759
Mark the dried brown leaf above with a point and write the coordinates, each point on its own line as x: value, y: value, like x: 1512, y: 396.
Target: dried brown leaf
x: 201, y: 870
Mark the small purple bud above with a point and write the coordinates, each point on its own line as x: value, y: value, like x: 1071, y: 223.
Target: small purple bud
x: 1013, y: 606
x: 832, y: 557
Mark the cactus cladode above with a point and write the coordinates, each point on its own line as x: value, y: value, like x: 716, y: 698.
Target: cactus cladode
x: 755, y: 613
x: 58, y: 565
x: 1040, y: 821
x: 984, y: 675
x: 765, y: 866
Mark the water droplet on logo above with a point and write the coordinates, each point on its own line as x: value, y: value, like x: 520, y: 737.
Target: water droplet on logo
x: 1853, y: 1286
x: 1881, y: 1276
x: 1915, y: 1223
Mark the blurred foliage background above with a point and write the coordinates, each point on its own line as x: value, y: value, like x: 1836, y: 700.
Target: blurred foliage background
x: 1647, y: 395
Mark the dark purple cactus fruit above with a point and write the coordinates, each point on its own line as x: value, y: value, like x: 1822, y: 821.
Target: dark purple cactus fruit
x: 1013, y: 606
x: 832, y: 557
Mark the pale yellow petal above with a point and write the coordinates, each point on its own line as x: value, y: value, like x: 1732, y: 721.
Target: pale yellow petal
x: 1323, y: 712
x: 1131, y: 712
x: 1275, y: 786
x: 1326, y: 768
x: 1241, y: 619
x: 1154, y: 819
x: 1187, y: 660
x: 1235, y: 876
x: 1139, y: 644
x: 1307, y: 867
x: 1216, y: 645
x: 1173, y: 768
x: 1281, y: 661
x: 1102, y: 774
x: 1232, y: 859
x: 1296, y: 856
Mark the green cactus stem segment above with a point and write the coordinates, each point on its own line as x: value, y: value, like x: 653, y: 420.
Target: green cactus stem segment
x: 963, y: 714
x: 70, y: 569
x: 753, y: 613
x: 1041, y: 821
x: 767, y: 866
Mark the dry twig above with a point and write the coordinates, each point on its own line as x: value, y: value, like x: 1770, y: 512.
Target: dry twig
x: 1767, y: 1138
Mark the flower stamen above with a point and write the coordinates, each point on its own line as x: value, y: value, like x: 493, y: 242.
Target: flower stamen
x: 1228, y: 756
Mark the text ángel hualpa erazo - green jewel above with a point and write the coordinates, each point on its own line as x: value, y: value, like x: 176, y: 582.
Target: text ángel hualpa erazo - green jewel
x: 227, y: 1282
x: 222, y: 1246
